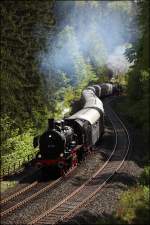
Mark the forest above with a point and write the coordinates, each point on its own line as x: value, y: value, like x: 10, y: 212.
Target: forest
x: 45, y: 62
x: 51, y: 50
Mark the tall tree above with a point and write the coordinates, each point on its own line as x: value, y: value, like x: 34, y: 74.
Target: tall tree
x: 24, y: 27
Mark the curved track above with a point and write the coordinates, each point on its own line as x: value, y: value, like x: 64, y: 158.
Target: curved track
x: 27, y: 194
x: 22, y: 190
x: 81, y: 195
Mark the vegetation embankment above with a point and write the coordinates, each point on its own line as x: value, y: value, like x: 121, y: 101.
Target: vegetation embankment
x: 136, y: 104
x: 134, y: 204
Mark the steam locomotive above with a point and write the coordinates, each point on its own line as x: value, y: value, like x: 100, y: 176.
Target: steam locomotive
x: 65, y: 143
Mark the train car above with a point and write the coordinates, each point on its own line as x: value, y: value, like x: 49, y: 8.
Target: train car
x: 106, y: 89
x: 97, y: 90
x: 95, y: 103
x: 110, y: 88
x: 103, y: 90
x: 87, y: 96
x: 88, y: 125
x: 91, y: 88
x: 91, y: 100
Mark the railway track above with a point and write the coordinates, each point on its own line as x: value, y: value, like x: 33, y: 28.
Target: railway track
x: 84, y: 193
x: 27, y: 194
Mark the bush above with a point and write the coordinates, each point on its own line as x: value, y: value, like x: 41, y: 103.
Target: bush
x: 14, y: 145
x: 134, y: 206
x: 145, y: 176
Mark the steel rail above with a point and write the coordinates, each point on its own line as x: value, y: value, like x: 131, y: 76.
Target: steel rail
x: 3, y: 201
x: 20, y: 191
x: 29, y: 198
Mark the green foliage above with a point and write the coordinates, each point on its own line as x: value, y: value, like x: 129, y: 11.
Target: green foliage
x: 20, y: 143
x: 104, y: 74
x: 22, y: 87
x: 14, y: 141
x: 138, y: 80
x: 25, y: 104
x: 138, y: 52
x: 17, y: 148
x: 134, y: 206
x: 7, y: 128
x: 145, y: 176
x: 138, y: 93
x: 138, y: 88
x: 122, y: 80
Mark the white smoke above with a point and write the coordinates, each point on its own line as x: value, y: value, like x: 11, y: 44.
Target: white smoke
x: 88, y: 31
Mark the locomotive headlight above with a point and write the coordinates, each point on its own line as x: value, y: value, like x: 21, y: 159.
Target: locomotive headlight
x: 39, y: 156
x: 61, y: 154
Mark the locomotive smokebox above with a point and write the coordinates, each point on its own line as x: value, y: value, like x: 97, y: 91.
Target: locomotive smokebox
x: 51, y: 124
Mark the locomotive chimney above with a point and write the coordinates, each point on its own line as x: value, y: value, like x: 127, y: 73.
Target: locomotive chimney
x: 51, y: 123
x: 62, y: 124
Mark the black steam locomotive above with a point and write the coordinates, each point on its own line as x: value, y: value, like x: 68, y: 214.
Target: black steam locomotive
x: 65, y: 143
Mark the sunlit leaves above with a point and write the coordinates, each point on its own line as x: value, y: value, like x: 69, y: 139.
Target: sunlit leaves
x: 132, y: 204
x: 139, y: 76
